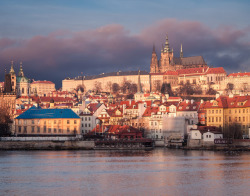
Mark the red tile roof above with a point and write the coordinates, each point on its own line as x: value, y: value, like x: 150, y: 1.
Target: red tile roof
x: 149, y: 110
x: 216, y: 70
x: 42, y: 82
x: 239, y: 74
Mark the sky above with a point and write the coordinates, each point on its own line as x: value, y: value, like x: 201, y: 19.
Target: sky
x: 61, y: 38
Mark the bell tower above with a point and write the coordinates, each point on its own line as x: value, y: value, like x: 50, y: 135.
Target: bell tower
x: 13, y: 77
x: 166, y: 57
x: 154, y: 67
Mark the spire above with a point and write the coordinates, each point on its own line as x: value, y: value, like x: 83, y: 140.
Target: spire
x: 139, y: 89
x: 166, y: 48
x: 12, y: 71
x: 181, y: 53
x: 153, y: 48
x: 20, y: 73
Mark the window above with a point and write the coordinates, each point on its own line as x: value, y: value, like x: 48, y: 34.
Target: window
x: 38, y: 129
x: 32, y: 129
x: 24, y: 129
x: 74, y: 121
x: 25, y: 122
x: 49, y: 130
x: 54, y: 130
x: 44, y: 129
x: 86, y: 125
x: 19, y: 129
x: 67, y: 121
x: 89, y: 124
x: 44, y: 122
x: 33, y: 122
x: 54, y: 121
x: 68, y: 130
x: 59, y: 130
x: 85, y: 118
x: 89, y: 118
x: 82, y: 125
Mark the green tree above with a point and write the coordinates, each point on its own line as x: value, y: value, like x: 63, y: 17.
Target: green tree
x: 5, y: 121
x: 166, y: 89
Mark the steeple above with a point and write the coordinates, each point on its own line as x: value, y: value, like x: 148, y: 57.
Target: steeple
x: 153, y: 48
x: 139, y: 89
x: 20, y: 73
x: 12, y: 71
x: 181, y: 53
x: 166, y: 48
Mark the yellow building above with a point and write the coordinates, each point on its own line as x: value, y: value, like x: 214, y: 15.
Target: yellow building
x: 229, y: 110
x: 37, y: 121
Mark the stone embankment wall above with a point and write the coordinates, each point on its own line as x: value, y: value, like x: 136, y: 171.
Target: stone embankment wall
x: 46, y: 145
x: 201, y: 145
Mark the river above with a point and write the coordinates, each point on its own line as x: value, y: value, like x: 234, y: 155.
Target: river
x: 157, y: 172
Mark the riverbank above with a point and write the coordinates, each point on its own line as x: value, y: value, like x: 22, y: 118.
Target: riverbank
x: 47, y: 145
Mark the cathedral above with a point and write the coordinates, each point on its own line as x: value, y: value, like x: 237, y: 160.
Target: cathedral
x: 168, y: 62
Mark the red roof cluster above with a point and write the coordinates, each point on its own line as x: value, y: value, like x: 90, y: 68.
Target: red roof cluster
x: 239, y: 74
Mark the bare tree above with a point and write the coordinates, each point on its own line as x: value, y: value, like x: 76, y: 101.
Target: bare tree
x: 115, y: 87
x: 229, y: 88
x: 80, y: 87
x: 157, y: 85
x: 5, y: 120
x: 97, y: 87
x: 109, y: 86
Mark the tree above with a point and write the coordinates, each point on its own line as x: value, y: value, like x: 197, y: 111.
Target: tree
x: 109, y: 86
x: 229, y: 88
x: 197, y: 90
x: 80, y: 87
x: 97, y: 87
x: 115, y: 87
x: 5, y: 120
x: 133, y: 88
x: 166, y: 89
x: 185, y: 89
x: 157, y: 85
x: 233, y: 130
x: 211, y: 91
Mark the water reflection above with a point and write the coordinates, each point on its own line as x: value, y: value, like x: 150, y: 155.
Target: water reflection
x: 158, y: 172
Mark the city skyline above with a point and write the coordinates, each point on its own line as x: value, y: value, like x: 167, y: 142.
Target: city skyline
x: 61, y: 39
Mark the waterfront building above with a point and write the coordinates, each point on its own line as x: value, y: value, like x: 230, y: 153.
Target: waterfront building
x: 89, y: 116
x: 38, y: 121
x: 228, y: 111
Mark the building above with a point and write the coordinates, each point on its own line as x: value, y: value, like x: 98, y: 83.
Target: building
x: 42, y: 88
x: 168, y: 62
x: 229, y: 111
x: 38, y: 121
x: 105, y: 81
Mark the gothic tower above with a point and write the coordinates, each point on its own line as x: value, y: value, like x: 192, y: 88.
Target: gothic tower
x: 154, y: 68
x: 166, y: 57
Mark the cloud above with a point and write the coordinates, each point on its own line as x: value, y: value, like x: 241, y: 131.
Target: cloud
x: 112, y: 47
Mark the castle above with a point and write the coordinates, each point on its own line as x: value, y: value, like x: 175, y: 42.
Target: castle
x: 168, y: 62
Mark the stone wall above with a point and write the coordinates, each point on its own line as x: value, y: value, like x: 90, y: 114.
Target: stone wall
x: 46, y: 145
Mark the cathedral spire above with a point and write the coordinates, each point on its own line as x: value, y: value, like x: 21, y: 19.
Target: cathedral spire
x: 181, y: 53
x: 139, y: 88
x: 166, y: 48
x: 21, y: 74
x: 12, y: 71
x: 153, y: 48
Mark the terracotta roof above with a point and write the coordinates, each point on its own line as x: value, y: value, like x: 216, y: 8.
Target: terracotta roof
x: 239, y: 74
x: 150, y: 110
x: 184, y: 106
x: 42, y: 82
x: 171, y: 73
x: 216, y: 70
x: 199, y: 70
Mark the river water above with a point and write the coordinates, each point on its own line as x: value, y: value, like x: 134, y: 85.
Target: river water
x: 157, y: 172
